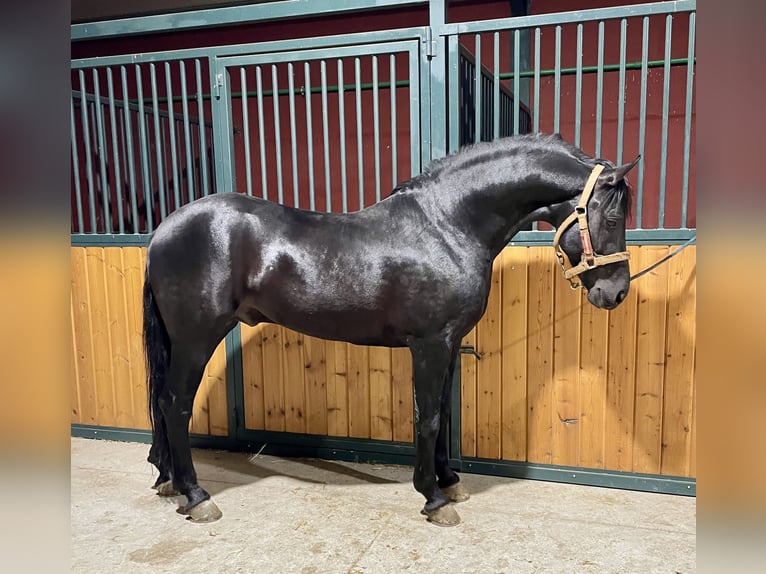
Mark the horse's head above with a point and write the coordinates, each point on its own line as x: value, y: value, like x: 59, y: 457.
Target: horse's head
x: 592, y: 239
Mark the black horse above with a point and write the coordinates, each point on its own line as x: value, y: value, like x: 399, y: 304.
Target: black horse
x: 413, y: 270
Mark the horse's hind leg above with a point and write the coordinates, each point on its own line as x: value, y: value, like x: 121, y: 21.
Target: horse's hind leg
x: 159, y: 455
x: 448, y: 480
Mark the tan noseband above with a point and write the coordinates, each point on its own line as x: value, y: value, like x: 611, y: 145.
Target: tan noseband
x: 590, y: 259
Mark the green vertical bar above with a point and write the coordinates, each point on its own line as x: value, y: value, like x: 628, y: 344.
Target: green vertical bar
x: 172, y: 133
x: 578, y: 88
x: 392, y: 87
x: 496, y: 86
x: 157, y: 140
x: 621, y: 100
x: 115, y: 151
x: 277, y: 135
x: 187, y: 132
x: 246, y: 131
x: 309, y: 136
x: 76, y: 168
x: 293, y: 136
x: 342, y: 135
x: 261, y: 135
x: 88, y: 162
x: 453, y: 48
x: 642, y: 121
x: 688, y: 121
x: 516, y: 80
x: 201, y: 119
x: 146, y: 182
x: 434, y: 137
x: 422, y: 145
x: 536, y: 113
x: 99, y: 110
x: 376, y: 125
x: 477, y: 89
x: 665, y: 117
x: 325, y: 137
x: 129, y: 141
x: 359, y: 138
x: 557, y: 84
x: 235, y: 392
x: 600, y: 87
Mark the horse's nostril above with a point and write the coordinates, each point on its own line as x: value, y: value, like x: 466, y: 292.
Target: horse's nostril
x: 620, y: 296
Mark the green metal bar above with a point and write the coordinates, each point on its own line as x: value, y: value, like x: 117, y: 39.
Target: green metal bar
x: 172, y: 134
x: 309, y: 136
x: 428, y: 136
x: 453, y: 110
x: 157, y: 140
x: 516, y: 80
x: 665, y: 117
x: 376, y: 126
x: 99, y: 112
x: 600, y: 87
x: 129, y: 145
x: 115, y: 151
x: 496, y: 85
x: 578, y: 88
x: 246, y: 133
x: 201, y: 117
x: 325, y: 136
x: 342, y: 136
x: 293, y: 136
x: 557, y: 84
x: 477, y: 89
x: 536, y: 110
x: 261, y: 134
x: 144, y: 149
x: 76, y: 168
x: 688, y: 124
x: 88, y: 162
x: 359, y: 134
x: 187, y: 132
x: 621, y: 101
x: 394, y: 133
x: 235, y: 391
x: 277, y: 137
x: 632, y: 236
x: 642, y: 122
x: 109, y: 240
x: 594, y: 69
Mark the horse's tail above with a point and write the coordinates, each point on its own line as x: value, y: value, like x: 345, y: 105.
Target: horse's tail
x: 156, y: 350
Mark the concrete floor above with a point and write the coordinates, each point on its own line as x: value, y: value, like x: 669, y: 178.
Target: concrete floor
x: 313, y: 516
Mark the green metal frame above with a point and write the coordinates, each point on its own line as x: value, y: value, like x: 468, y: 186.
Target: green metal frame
x: 434, y: 68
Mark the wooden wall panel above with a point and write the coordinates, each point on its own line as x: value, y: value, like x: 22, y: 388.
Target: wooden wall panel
x: 109, y: 369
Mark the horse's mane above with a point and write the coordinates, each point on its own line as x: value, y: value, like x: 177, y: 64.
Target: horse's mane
x: 486, y: 150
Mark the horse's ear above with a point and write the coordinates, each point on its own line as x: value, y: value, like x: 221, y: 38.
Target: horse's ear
x: 616, y: 175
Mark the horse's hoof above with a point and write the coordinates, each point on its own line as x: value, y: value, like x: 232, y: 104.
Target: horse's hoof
x: 443, y: 516
x: 457, y: 492
x: 205, y: 511
x: 166, y: 489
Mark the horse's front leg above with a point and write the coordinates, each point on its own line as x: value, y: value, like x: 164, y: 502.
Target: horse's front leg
x: 430, y: 365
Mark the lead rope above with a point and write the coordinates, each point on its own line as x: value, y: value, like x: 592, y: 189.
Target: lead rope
x: 691, y: 241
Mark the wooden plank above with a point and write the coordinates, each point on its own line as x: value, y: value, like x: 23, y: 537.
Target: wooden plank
x: 134, y: 265
x: 337, y: 389
x: 102, y: 348
x: 468, y: 369
x: 295, y: 391
x: 566, y: 373
x: 401, y: 394
x: 119, y: 334
x: 594, y: 341
x: 200, y: 419
x: 540, y: 355
x: 693, y: 445
x: 650, y: 361
x: 621, y: 379
x: 358, y: 391
x: 252, y: 375
x: 316, y: 385
x: 273, y: 389
x: 490, y: 371
x: 215, y: 379
x: 514, y: 347
x: 381, y: 417
x: 679, y: 364
x: 74, y: 389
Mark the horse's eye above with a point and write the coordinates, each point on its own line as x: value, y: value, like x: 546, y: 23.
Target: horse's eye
x: 611, y: 223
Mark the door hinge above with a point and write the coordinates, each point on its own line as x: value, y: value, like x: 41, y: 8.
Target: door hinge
x: 218, y: 85
x: 430, y: 43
